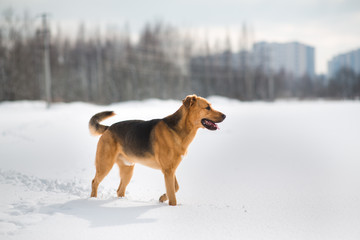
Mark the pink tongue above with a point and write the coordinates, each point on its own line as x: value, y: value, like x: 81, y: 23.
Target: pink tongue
x: 213, y: 124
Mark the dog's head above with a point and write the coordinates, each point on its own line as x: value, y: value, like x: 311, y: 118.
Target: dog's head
x: 201, y: 114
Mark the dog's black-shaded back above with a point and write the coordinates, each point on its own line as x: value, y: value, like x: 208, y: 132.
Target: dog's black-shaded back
x: 135, y: 136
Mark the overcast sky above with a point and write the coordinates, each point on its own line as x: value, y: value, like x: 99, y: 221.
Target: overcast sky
x: 331, y: 26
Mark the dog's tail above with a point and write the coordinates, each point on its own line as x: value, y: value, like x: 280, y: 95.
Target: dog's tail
x: 94, y: 124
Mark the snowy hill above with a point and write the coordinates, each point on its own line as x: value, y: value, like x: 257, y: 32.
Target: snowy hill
x: 284, y: 170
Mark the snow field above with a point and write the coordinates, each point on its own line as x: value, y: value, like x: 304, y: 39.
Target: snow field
x: 283, y: 170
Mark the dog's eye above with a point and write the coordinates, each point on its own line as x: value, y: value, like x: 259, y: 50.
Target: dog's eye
x: 208, y: 108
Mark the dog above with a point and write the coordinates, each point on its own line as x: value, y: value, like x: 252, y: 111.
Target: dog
x: 158, y: 143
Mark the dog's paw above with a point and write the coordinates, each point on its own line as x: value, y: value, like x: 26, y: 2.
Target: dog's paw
x: 163, y: 198
x: 172, y: 203
x: 121, y: 194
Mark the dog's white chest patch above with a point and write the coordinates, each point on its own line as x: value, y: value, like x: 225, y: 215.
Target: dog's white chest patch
x: 127, y: 163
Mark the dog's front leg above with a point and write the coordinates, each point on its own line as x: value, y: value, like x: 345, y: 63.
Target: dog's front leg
x: 170, y: 186
x: 164, y: 197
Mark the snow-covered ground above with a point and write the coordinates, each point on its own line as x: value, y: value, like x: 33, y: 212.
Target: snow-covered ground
x: 284, y: 170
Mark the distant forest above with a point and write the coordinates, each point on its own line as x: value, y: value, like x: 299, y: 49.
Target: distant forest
x: 161, y: 63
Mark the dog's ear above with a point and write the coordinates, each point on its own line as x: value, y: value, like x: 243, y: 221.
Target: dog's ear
x: 189, y: 100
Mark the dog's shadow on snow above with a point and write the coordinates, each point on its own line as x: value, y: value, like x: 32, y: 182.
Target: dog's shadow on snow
x: 110, y: 212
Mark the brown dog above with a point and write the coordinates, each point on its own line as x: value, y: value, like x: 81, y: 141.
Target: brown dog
x: 158, y: 143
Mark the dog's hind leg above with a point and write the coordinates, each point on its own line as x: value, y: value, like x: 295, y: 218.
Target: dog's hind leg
x: 164, y: 197
x: 102, y: 169
x: 126, y: 173
x: 101, y: 173
x: 105, y: 159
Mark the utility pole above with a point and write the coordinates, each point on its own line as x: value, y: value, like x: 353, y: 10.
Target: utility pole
x: 47, y: 70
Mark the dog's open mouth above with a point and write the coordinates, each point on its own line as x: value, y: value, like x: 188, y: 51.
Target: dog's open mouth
x: 209, y: 124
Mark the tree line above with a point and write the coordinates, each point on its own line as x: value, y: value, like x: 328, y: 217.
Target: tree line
x: 161, y: 63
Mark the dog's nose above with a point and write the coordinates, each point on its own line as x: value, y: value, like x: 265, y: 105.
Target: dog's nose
x: 223, y: 116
